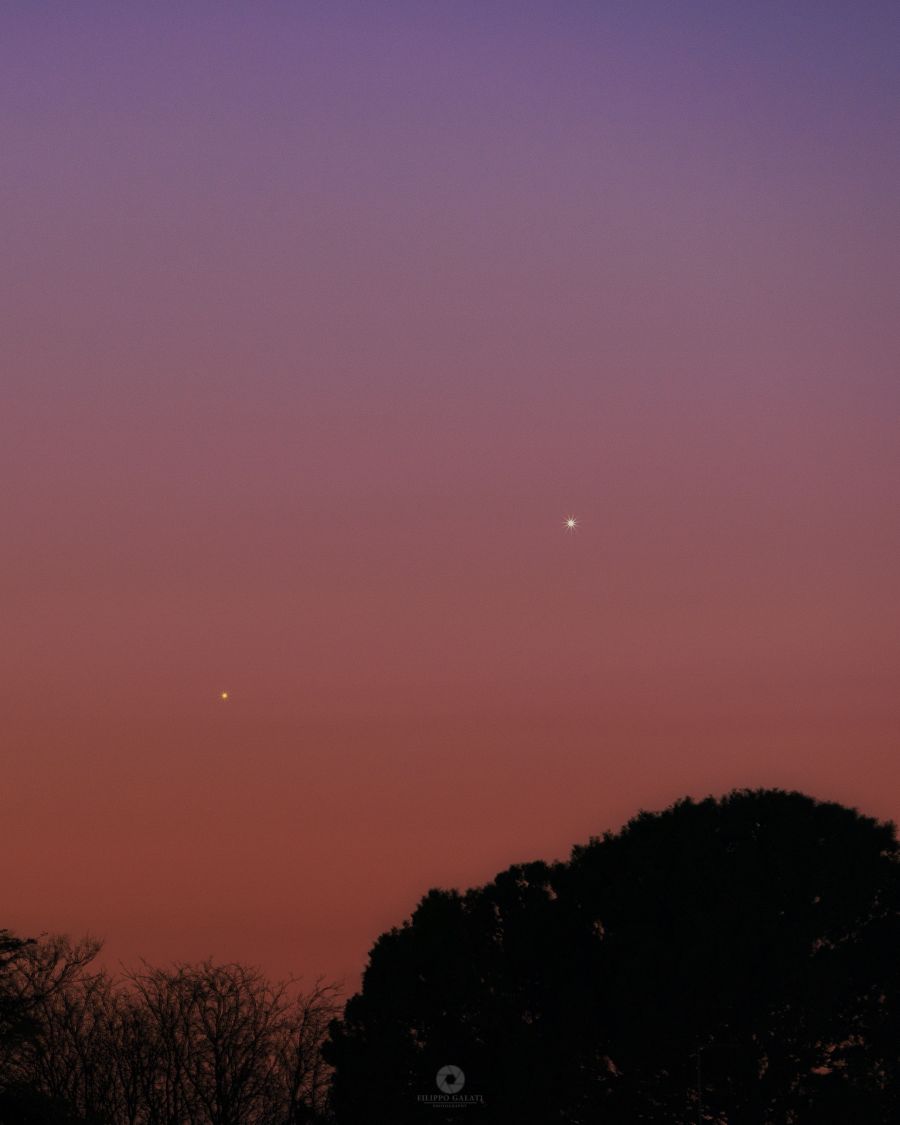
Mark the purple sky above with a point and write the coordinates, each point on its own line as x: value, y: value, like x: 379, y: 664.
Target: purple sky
x: 316, y: 321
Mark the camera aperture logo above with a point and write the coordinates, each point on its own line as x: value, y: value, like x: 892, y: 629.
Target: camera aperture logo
x: 450, y: 1081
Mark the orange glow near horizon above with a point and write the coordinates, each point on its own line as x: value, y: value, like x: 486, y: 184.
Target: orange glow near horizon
x: 316, y: 324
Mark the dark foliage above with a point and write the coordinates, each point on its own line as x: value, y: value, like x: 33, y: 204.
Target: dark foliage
x: 23, y: 1105
x: 730, y: 960
x: 15, y: 1020
x: 203, y: 1044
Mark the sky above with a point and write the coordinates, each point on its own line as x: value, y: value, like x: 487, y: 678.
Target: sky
x: 317, y: 320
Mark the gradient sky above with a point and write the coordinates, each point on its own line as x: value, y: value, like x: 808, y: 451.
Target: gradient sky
x: 317, y: 319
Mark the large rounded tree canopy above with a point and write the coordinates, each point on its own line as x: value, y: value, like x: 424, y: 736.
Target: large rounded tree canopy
x: 730, y: 960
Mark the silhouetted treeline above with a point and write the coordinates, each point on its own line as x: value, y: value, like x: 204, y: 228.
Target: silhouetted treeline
x: 731, y: 961
x: 199, y: 1044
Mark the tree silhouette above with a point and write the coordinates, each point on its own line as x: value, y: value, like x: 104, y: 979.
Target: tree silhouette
x: 730, y: 960
x: 14, y: 1008
x: 29, y: 976
x: 194, y: 1044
